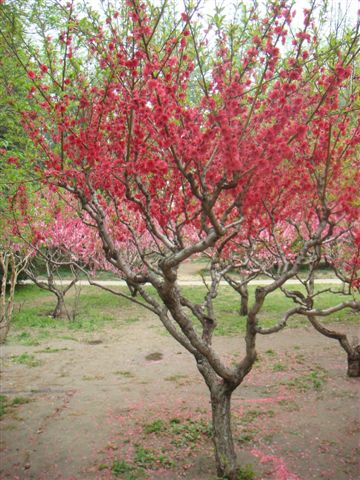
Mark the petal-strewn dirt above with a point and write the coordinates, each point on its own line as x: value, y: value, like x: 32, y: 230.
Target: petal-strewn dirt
x: 131, y: 404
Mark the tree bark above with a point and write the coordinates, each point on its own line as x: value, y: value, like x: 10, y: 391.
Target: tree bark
x: 353, y: 366
x: 244, y: 295
x: 225, y: 455
x: 4, y: 321
x: 4, y: 329
x: 7, y: 304
x: 60, y: 309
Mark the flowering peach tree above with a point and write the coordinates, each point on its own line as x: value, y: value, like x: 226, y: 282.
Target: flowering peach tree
x: 58, y: 240
x: 178, y: 139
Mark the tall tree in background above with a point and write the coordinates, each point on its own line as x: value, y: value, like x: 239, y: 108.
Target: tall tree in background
x: 177, y: 150
x: 15, y: 148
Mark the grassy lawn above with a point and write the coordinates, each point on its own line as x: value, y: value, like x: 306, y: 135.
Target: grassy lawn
x: 276, y: 304
x: 90, y: 309
x: 93, y: 309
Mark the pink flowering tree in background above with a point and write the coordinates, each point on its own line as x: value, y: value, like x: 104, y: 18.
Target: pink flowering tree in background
x: 343, y: 256
x: 170, y: 150
x: 59, y: 241
x: 274, y: 252
x: 53, y: 229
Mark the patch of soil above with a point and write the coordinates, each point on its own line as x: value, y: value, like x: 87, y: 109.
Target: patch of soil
x: 121, y: 413
x: 154, y: 356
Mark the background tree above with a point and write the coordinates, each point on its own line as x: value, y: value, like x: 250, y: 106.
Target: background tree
x: 49, y: 233
x: 15, y: 157
x: 274, y: 252
x: 15, y: 148
x: 13, y: 260
x: 11, y: 265
x: 62, y: 245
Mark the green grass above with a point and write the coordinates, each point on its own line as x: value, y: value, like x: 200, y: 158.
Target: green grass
x: 7, y: 405
x: 28, y: 292
x: 125, y: 470
x: 246, y: 473
x: 25, y: 338
x: 271, y: 353
x: 279, y: 367
x: 314, y: 380
x: 20, y: 401
x: 120, y: 466
x: 148, y: 458
x: 247, y: 436
x: 144, y: 458
x: 26, y: 359
x: 188, y: 432
x: 276, y: 304
x: 33, y: 307
x: 32, y: 325
x: 251, y: 415
x: 3, y: 405
x: 155, y: 426
x: 182, y: 431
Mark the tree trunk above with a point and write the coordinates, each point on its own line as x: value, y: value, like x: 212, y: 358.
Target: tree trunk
x: 7, y: 303
x: 353, y: 366
x: 4, y: 329
x: 244, y: 294
x: 225, y: 456
x: 60, y: 309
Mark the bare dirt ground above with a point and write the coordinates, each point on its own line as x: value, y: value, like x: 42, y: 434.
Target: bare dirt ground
x: 131, y: 403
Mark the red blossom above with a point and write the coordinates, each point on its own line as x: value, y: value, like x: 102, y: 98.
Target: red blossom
x: 13, y: 160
